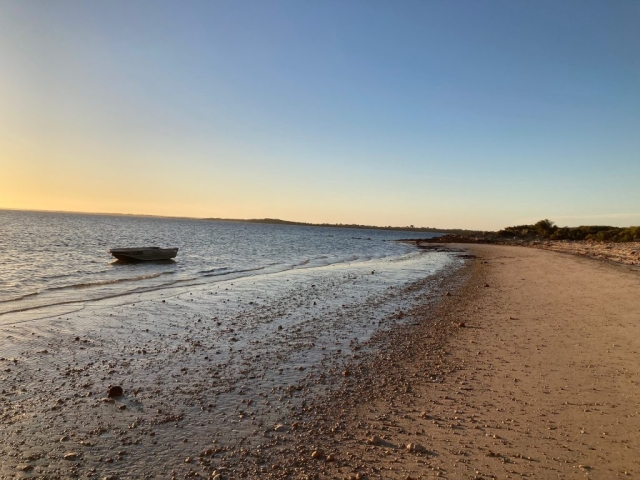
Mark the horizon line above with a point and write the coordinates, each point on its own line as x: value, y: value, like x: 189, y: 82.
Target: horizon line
x: 75, y: 212
x: 261, y: 220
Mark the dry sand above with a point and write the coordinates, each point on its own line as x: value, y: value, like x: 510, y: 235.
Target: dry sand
x: 530, y: 369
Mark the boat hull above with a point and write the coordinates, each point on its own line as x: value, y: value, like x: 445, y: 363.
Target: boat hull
x: 143, y: 254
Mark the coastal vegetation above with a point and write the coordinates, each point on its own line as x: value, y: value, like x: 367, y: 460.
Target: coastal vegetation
x: 547, y: 230
x: 541, y: 230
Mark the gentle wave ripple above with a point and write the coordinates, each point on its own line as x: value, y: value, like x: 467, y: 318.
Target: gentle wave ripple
x: 52, y: 258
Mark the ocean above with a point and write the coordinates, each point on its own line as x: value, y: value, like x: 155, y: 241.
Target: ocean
x: 49, y: 259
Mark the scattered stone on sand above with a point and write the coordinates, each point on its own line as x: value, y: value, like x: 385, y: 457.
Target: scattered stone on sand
x: 115, y: 391
x: 71, y: 456
x: 414, y: 447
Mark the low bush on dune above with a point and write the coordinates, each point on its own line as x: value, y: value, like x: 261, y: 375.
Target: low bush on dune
x: 546, y: 229
x: 630, y: 234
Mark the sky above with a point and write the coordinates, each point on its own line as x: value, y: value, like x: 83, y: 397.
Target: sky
x: 471, y: 114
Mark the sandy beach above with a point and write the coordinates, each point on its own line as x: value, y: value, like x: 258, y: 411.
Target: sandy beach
x: 529, y: 369
x: 519, y: 363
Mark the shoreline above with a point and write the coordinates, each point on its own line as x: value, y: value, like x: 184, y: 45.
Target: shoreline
x: 207, y: 372
x: 626, y: 253
x: 528, y: 369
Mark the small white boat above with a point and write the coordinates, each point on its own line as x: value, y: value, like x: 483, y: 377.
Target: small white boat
x: 143, y: 254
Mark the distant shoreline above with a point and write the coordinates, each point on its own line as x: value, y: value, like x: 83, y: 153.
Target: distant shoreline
x: 276, y: 221
x: 267, y: 221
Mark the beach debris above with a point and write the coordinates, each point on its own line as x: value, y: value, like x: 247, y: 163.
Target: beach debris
x: 280, y: 428
x: 115, y: 391
x: 414, y: 447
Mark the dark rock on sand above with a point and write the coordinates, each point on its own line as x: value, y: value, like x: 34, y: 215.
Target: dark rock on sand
x: 115, y: 392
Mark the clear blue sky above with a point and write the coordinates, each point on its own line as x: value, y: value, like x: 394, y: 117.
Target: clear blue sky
x: 475, y: 114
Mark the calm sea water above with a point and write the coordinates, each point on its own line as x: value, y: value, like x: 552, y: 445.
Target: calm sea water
x: 55, y: 258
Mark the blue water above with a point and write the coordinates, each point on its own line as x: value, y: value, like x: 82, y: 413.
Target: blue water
x: 52, y: 258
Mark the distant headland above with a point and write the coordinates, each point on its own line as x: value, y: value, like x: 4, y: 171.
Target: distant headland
x: 409, y: 228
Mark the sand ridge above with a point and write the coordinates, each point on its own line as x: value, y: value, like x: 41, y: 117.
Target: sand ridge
x: 623, y: 252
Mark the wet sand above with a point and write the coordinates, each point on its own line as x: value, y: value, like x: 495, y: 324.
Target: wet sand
x: 211, y: 374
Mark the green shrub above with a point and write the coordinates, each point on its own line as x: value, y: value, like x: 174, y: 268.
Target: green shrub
x: 547, y: 229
